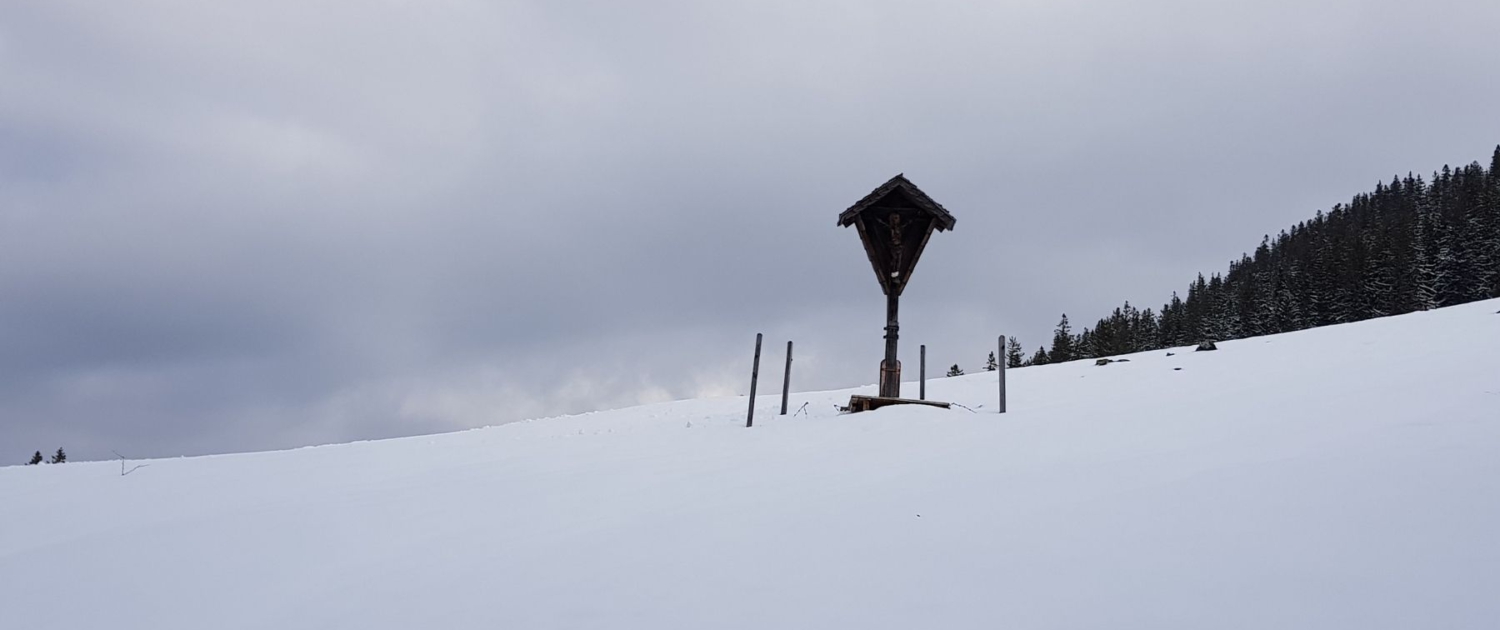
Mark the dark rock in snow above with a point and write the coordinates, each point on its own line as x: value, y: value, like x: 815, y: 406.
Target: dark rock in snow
x: 1102, y: 362
x: 1171, y: 354
x: 1205, y: 346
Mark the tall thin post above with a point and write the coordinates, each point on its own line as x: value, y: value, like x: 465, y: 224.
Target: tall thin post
x: 1001, y: 370
x: 922, y: 375
x: 786, y: 382
x: 754, y: 376
x: 890, y: 368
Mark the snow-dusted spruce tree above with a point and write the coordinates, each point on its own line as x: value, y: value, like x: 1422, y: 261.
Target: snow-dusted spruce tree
x: 955, y: 371
x: 1424, y: 272
x: 1062, y: 341
x: 1013, y: 356
x: 989, y: 364
x: 60, y: 457
x: 35, y: 459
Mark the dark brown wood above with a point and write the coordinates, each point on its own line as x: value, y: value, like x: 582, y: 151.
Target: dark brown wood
x: 893, y: 243
x: 911, y: 192
x: 894, y: 222
x: 786, y: 381
x: 890, y: 368
x: 869, y: 403
x: 754, y: 376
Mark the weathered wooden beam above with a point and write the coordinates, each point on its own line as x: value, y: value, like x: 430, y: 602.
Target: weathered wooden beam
x: 890, y: 368
x: 922, y: 375
x: 786, y: 381
x: 859, y: 403
x: 754, y: 376
x: 1001, y: 370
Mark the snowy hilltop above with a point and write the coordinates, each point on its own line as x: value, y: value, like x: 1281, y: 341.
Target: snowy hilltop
x: 1340, y: 477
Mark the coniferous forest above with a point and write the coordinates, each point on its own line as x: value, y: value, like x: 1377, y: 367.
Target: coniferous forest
x: 1413, y: 244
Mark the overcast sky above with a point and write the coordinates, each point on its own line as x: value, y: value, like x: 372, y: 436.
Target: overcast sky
x: 232, y: 226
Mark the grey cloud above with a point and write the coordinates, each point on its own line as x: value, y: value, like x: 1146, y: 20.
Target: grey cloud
x: 232, y: 227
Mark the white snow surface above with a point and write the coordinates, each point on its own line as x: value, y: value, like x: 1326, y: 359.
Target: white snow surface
x: 1344, y: 477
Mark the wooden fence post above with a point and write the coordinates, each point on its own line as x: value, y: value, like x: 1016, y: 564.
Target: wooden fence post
x: 754, y: 376
x: 1001, y: 370
x: 922, y: 375
x: 786, y: 382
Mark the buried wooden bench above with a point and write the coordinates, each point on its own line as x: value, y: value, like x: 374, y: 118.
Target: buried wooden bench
x: 859, y: 403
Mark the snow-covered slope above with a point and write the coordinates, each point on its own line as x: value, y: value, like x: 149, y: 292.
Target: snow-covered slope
x: 1346, y: 477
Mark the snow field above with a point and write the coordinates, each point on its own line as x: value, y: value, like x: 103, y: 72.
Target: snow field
x: 1343, y: 477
